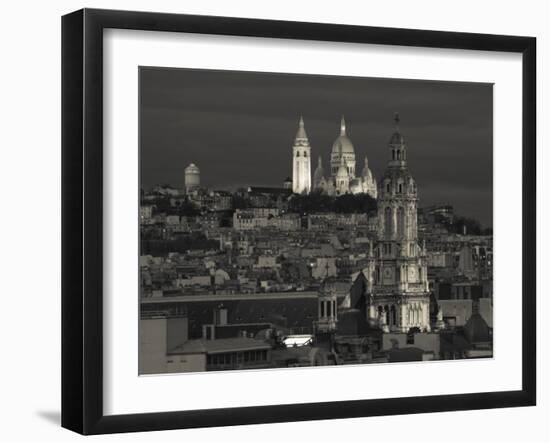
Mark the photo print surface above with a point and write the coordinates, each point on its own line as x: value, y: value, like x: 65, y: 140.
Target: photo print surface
x: 303, y: 220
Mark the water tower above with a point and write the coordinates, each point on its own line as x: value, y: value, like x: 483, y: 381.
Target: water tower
x: 192, y: 178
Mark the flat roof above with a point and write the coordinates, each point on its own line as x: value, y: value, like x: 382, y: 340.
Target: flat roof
x: 220, y: 346
x: 222, y: 297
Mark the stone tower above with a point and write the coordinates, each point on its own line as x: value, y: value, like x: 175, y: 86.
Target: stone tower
x: 318, y: 175
x: 400, y: 284
x: 301, y: 161
x: 192, y: 178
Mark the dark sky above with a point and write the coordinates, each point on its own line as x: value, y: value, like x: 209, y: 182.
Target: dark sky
x: 238, y: 127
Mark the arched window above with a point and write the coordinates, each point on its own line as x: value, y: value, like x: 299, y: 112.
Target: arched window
x: 398, y: 155
x: 297, y: 153
x: 305, y: 153
x: 387, y: 187
x: 393, y: 154
x: 388, y: 221
x: 400, y: 188
x: 393, y: 317
x: 400, y: 221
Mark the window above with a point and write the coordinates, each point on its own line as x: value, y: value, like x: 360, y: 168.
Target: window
x: 393, y: 154
x: 388, y: 225
x: 387, y: 187
x: 322, y: 309
x: 400, y: 219
x: 400, y: 188
x: 398, y: 155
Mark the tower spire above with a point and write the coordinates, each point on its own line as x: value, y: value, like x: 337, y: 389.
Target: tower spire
x: 396, y: 119
x: 342, y: 126
x: 301, y: 129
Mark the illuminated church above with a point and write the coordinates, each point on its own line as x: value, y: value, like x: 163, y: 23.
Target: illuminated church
x: 342, y: 178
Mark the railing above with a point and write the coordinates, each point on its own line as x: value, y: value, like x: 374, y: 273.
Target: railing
x: 416, y: 285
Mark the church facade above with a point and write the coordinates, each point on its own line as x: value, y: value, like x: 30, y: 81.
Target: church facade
x: 341, y: 178
x: 397, y: 291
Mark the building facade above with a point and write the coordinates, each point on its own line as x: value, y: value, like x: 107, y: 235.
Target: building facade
x: 342, y: 178
x: 397, y: 271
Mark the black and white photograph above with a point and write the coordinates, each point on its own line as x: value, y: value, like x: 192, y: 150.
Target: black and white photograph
x: 294, y: 220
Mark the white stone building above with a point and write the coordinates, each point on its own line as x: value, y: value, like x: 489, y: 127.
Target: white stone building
x: 301, y: 161
x: 342, y: 178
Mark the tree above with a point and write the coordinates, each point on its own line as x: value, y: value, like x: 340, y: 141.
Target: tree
x: 240, y: 202
x: 473, y: 226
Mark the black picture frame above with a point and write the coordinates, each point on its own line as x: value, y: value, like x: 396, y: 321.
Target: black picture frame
x: 82, y: 218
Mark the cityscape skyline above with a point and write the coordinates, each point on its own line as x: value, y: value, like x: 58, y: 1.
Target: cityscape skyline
x: 193, y: 116
x: 334, y: 265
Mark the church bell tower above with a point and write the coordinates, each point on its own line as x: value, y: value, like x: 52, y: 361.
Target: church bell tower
x: 400, y: 295
x: 301, y: 161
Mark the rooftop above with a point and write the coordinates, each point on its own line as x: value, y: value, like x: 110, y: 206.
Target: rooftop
x: 222, y: 297
x: 222, y: 345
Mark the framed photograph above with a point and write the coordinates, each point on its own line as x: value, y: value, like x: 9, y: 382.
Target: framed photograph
x: 269, y: 221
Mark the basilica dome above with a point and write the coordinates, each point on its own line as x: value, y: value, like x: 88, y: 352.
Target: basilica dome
x: 343, y: 145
